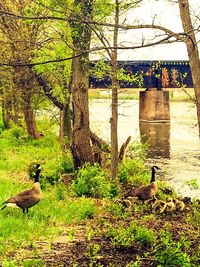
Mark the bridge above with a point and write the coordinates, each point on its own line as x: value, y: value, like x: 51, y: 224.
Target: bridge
x: 156, y: 74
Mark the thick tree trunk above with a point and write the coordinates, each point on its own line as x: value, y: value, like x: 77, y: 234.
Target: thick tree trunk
x: 81, y: 34
x: 81, y: 148
x: 192, y: 50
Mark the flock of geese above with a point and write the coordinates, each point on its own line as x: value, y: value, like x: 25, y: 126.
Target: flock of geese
x: 147, y: 194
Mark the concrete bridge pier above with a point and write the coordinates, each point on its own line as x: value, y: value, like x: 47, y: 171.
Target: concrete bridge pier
x: 154, y: 106
x: 154, y: 116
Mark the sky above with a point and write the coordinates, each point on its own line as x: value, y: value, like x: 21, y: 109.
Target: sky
x: 165, y: 14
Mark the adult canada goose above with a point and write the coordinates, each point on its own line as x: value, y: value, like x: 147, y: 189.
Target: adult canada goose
x: 28, y: 198
x: 148, y: 191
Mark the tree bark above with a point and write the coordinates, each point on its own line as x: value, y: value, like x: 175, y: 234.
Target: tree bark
x: 192, y: 50
x: 65, y: 125
x: 29, y: 117
x: 115, y: 86
x: 6, y: 113
x: 81, y: 35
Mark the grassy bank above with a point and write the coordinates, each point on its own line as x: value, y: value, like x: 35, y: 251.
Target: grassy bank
x: 80, y: 224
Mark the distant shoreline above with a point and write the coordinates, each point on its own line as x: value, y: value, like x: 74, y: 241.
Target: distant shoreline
x: 175, y: 94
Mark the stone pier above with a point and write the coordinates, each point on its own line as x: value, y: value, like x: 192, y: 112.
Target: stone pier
x: 154, y: 106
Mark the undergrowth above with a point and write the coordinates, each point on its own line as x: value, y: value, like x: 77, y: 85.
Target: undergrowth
x: 88, y: 198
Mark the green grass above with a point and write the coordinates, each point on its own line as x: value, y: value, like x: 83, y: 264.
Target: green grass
x: 55, y: 211
x: 46, y: 219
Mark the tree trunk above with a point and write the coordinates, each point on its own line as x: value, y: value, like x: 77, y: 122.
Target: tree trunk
x: 114, y: 118
x: 6, y: 112
x: 81, y: 35
x: 16, y: 109
x: 192, y: 50
x: 25, y: 84
x: 29, y: 117
x: 81, y: 148
x: 65, y: 125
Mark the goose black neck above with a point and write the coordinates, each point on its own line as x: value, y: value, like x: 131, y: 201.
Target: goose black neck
x: 153, y: 175
x: 36, y: 178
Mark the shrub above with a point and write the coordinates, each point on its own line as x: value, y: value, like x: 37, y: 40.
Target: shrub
x: 9, y: 263
x: 170, y: 253
x: 117, y: 210
x: 134, y: 172
x: 194, y: 217
x: 126, y: 237
x: 15, y: 135
x: 137, y: 150
x: 2, y: 128
x: 33, y: 262
x: 92, y: 181
x: 193, y: 184
x: 53, y: 169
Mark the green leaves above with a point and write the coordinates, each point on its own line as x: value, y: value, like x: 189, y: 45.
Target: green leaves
x: 92, y: 181
x: 100, y: 69
x: 126, y: 236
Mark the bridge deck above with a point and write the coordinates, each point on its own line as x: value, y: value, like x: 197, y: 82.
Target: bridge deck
x: 159, y: 74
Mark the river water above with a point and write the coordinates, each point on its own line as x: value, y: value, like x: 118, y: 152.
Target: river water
x: 174, y: 146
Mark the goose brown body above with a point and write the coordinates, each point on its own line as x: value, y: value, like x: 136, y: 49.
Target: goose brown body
x: 146, y: 192
x: 27, y: 198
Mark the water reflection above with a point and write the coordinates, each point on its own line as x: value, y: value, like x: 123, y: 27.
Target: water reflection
x: 158, y: 137
x: 184, y: 162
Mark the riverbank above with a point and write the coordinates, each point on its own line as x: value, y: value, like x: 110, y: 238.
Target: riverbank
x: 66, y: 229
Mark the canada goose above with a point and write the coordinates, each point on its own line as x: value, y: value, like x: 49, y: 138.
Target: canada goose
x: 159, y: 206
x: 148, y: 191
x: 28, y: 198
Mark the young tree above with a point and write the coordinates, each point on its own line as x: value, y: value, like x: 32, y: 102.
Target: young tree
x: 115, y: 87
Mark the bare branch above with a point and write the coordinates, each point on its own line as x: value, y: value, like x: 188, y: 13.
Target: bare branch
x: 25, y: 64
x: 87, y: 21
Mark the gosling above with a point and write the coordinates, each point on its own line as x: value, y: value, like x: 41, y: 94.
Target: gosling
x: 28, y: 198
x: 179, y: 205
x: 170, y: 205
x: 159, y: 206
